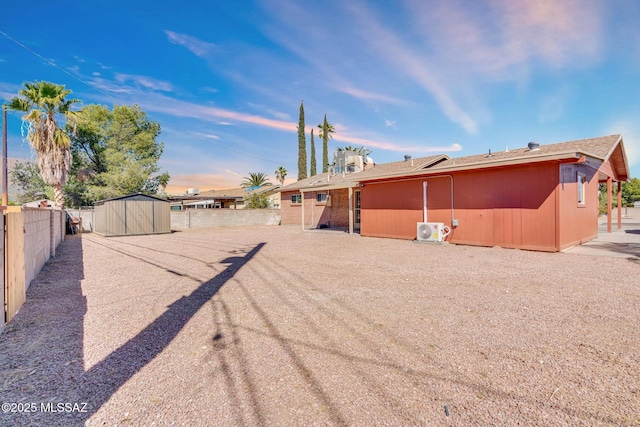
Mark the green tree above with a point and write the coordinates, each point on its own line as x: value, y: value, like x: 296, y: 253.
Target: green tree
x: 257, y: 201
x: 257, y: 179
x: 46, y: 108
x: 26, y: 176
x: 116, y: 152
x: 302, y: 146
x: 281, y: 173
x: 326, y: 131
x: 631, y: 192
x: 163, y: 181
x: 313, y: 170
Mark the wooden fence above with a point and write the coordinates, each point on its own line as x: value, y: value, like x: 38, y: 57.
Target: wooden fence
x: 31, y: 238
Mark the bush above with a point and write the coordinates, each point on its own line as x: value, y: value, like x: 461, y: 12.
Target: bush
x: 257, y: 201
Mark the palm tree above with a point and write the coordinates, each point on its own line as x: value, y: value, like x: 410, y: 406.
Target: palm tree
x: 42, y: 102
x: 358, y: 150
x: 163, y: 181
x: 281, y: 172
x: 326, y: 129
x: 257, y: 179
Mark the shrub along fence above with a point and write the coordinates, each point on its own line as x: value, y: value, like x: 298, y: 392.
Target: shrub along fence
x: 31, y: 238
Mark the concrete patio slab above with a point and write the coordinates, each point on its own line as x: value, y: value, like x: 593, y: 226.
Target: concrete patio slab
x: 620, y: 243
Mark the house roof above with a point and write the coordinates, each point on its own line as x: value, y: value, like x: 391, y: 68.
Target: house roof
x: 228, y: 194
x: 239, y: 193
x: 325, y: 182
x: 403, y: 166
x: 602, y: 149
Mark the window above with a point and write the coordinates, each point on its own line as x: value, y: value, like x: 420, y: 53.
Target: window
x: 582, y: 180
x: 296, y: 199
x: 321, y: 197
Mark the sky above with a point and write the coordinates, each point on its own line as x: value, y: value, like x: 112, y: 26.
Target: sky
x: 225, y: 79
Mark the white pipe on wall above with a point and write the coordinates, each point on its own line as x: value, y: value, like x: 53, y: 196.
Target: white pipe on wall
x: 424, y: 201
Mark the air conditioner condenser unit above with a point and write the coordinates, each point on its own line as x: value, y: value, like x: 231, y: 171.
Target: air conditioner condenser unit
x: 432, y: 232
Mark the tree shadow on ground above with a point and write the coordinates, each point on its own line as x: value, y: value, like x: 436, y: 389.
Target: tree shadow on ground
x: 45, y: 339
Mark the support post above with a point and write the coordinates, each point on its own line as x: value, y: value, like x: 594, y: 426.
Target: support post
x: 302, y: 210
x: 609, y: 191
x: 350, y: 210
x: 619, y: 205
x: 5, y: 174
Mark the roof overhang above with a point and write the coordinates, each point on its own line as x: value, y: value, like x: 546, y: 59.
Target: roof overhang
x: 561, y: 157
x: 322, y: 186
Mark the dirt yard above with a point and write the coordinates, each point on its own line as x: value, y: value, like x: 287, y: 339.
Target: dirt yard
x: 275, y: 326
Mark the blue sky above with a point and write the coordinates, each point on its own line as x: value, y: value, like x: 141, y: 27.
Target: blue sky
x: 225, y: 79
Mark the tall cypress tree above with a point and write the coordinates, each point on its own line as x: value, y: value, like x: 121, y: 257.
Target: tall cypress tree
x: 302, y: 146
x: 313, y: 170
x: 326, y: 129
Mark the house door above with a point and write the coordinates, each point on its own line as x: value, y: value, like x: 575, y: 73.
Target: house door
x: 356, y: 212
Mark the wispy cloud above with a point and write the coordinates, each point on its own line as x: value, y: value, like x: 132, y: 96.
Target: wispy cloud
x: 407, y: 60
x: 205, y: 135
x: 144, y: 81
x: 8, y: 90
x: 369, y: 96
x: 552, y: 107
x: 155, y: 102
x: 369, y: 143
x: 390, y: 123
x: 234, y: 173
x: 195, y: 45
x: 106, y: 85
x: 270, y: 111
x: 504, y: 39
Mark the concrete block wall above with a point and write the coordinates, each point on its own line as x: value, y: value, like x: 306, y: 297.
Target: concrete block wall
x: 31, y: 239
x: 37, y: 241
x: 200, y: 218
x: 57, y: 229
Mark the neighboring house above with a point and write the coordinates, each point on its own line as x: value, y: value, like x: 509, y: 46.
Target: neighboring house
x: 541, y: 197
x: 40, y: 203
x: 231, y: 198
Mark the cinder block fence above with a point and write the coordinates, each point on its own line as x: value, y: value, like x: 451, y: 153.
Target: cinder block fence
x: 31, y: 238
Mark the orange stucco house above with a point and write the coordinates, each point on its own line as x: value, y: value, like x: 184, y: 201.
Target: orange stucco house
x: 541, y: 197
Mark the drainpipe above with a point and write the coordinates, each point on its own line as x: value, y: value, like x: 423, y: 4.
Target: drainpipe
x: 424, y: 201
x: 425, y: 195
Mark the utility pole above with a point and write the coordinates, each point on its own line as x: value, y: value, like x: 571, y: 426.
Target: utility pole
x: 5, y: 173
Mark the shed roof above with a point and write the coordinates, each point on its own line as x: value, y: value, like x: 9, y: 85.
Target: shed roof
x: 134, y: 196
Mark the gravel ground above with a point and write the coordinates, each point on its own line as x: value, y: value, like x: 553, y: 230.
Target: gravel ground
x: 275, y: 326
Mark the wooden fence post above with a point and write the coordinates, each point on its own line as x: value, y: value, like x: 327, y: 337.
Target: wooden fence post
x: 16, y: 289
